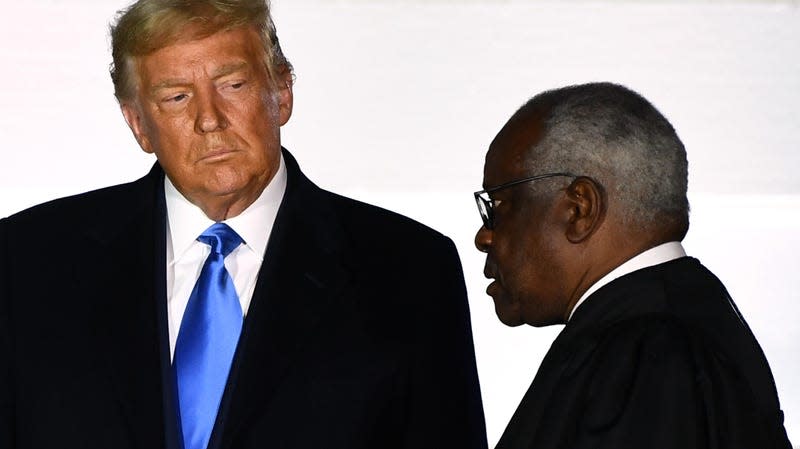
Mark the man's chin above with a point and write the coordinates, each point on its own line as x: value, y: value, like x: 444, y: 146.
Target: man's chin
x: 508, y: 314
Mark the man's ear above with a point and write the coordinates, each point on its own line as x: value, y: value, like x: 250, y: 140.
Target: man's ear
x: 285, y: 94
x: 133, y: 117
x: 588, y: 205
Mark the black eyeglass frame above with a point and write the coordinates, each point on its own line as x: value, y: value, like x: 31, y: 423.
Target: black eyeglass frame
x: 486, y: 205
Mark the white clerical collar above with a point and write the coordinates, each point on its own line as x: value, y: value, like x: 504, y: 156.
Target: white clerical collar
x: 653, y: 256
x: 185, y: 221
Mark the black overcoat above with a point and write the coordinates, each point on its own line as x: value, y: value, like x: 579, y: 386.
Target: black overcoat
x: 358, y: 334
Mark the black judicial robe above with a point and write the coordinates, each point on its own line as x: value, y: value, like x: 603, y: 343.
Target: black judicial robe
x: 659, y: 358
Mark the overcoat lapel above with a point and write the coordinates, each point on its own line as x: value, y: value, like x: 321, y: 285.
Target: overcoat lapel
x: 126, y: 291
x: 302, y: 276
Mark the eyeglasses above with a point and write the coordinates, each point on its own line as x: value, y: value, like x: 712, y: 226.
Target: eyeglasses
x: 486, y: 204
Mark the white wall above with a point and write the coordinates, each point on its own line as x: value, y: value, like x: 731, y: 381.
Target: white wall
x: 396, y: 102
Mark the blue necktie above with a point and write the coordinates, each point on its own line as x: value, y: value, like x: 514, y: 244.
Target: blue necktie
x: 207, y: 339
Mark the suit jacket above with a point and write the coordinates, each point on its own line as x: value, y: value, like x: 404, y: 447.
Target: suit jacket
x: 659, y: 358
x: 358, y: 334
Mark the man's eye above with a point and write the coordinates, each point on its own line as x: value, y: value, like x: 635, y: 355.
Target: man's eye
x: 237, y: 85
x: 177, y: 98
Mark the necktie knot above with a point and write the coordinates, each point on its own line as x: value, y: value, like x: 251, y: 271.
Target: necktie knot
x: 222, y: 239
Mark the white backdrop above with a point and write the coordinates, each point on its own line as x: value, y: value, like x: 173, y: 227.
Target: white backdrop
x: 397, y: 100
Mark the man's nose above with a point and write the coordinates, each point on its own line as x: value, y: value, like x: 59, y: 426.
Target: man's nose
x: 210, y: 117
x: 483, y: 239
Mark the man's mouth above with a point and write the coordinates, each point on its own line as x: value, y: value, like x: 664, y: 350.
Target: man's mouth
x: 492, y: 288
x: 488, y: 271
x: 216, y: 154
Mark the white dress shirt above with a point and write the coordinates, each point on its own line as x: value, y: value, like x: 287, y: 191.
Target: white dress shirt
x: 653, y: 256
x: 186, y: 255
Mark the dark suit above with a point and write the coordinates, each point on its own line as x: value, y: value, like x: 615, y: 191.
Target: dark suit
x: 358, y: 334
x: 659, y: 358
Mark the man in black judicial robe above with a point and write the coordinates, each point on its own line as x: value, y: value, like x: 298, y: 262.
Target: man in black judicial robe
x: 584, y: 209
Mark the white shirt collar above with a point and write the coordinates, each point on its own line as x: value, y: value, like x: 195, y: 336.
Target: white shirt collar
x: 653, y: 256
x: 185, y: 221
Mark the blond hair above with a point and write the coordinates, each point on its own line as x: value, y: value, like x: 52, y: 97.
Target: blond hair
x: 149, y: 25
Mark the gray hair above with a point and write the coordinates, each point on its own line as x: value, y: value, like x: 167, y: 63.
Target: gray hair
x: 610, y: 133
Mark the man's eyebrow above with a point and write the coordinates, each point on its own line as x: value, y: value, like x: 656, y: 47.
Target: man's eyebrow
x: 228, y: 69
x: 168, y: 83
x: 220, y: 72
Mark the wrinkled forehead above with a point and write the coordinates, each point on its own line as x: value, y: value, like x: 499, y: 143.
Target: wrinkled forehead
x: 218, y: 54
x: 512, y: 154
